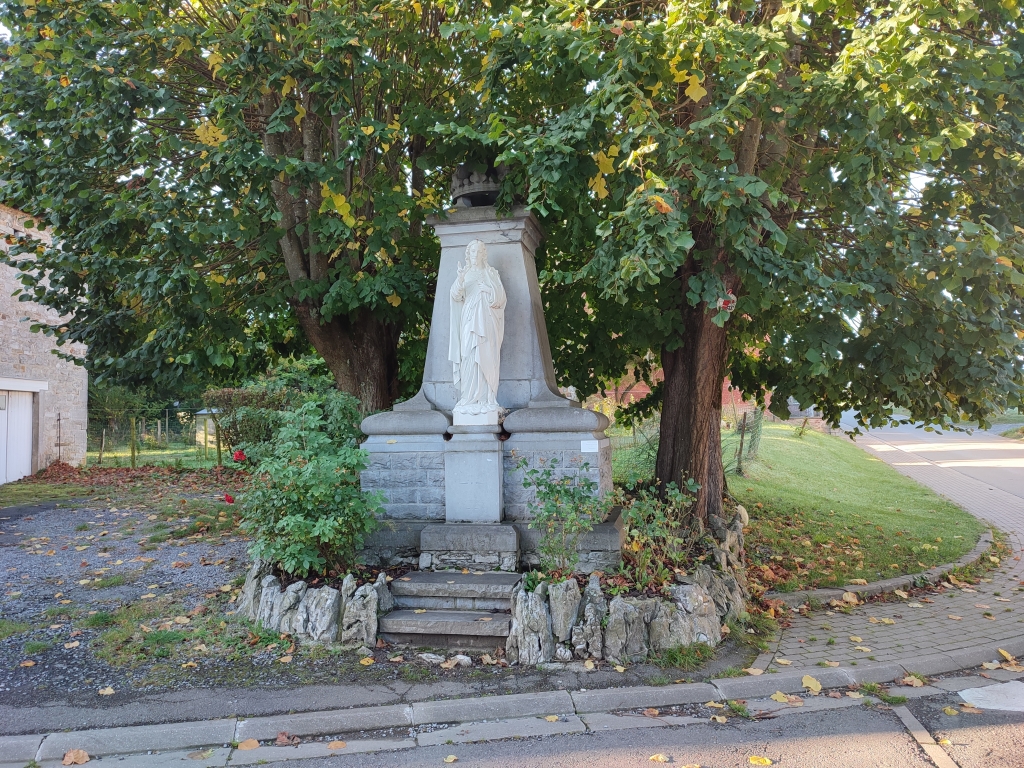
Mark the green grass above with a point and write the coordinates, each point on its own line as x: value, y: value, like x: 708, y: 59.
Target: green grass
x: 1014, y: 434
x: 874, y: 689
x: 100, y: 620
x: 19, y: 493
x: 117, y: 580
x: 178, y: 455
x: 8, y: 628
x: 685, y: 657
x: 824, y: 512
x: 32, y: 647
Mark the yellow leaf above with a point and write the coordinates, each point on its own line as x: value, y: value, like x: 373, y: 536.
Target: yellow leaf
x: 337, y: 745
x: 285, y: 660
x: 367, y: 129
x: 214, y: 60
x: 955, y: 618
x: 659, y: 758
x: 451, y: 759
x: 552, y: 718
x: 74, y: 644
x: 862, y: 649
x: 810, y: 683
x: 913, y: 682
x: 75, y: 757
x: 718, y: 719
x: 780, y: 697
x: 855, y: 695
x: 599, y: 186
x: 604, y: 163
x: 219, y: 279
x: 393, y: 299
x: 46, y: 32
x: 65, y: 80
x: 108, y: 691
x: 783, y: 662
x: 248, y: 744
x: 950, y: 711
x: 261, y: 275
x: 715, y: 705
x: 620, y: 669
x: 417, y: 7
x: 851, y: 598
x: 189, y: 665
x: 588, y: 664
x: 289, y: 83
x: 1005, y: 654
x: 855, y: 639
x: 990, y: 665
x: 147, y: 596
x: 754, y: 671
x: 758, y: 760
x: 366, y: 661
x: 861, y: 582
x: 300, y: 112
x: 695, y: 90
x: 420, y: 610
x: 182, y: 620
x: 210, y: 134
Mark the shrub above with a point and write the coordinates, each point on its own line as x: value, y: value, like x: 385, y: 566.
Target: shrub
x: 565, y: 509
x: 304, y: 506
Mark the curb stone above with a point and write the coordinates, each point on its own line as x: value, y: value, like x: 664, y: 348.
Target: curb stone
x: 794, y: 599
x: 332, y: 721
x: 608, y: 699
x: 163, y: 737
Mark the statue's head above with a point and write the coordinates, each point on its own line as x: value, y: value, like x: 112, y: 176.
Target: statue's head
x: 476, y: 254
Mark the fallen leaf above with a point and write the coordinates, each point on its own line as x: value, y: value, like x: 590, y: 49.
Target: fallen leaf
x: 851, y: 598
x: 397, y: 659
x: 887, y: 621
x: 990, y: 665
x: 288, y: 660
x: 147, y: 596
x: 485, y: 618
x: 944, y: 742
x: 758, y: 760
x: 108, y: 691
x: 783, y: 662
x: 27, y: 663
x: 970, y: 709
x: 835, y: 695
x: 552, y: 718
x: 949, y: 711
x: 659, y: 758
x: 900, y: 593
x: 619, y: 668
x: 955, y: 618
x: 451, y: 759
x: 831, y: 663
x: 285, y: 739
x: 1004, y: 654
x: 73, y: 644
x: 985, y: 675
x: 420, y: 610
x: 913, y: 682
x: 450, y: 664
x: 794, y: 701
x: 754, y: 671
x: 651, y: 712
x: 202, y: 754
x: 862, y: 649
x: 860, y: 582
x: 715, y: 705
x: 780, y: 697
x: 855, y: 694
x: 189, y: 665
x: 719, y: 719
x: 982, y: 605
x: 337, y: 745
x: 588, y: 664
x: 810, y: 683
x: 248, y: 744
x: 855, y: 639
x: 75, y: 757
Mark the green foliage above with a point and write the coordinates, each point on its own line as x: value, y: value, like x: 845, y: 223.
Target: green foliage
x: 565, y: 508
x: 851, y: 172
x: 304, y: 507
x: 218, y: 175
x: 9, y: 627
x: 33, y: 647
x: 685, y: 657
x: 100, y: 619
x: 659, y: 537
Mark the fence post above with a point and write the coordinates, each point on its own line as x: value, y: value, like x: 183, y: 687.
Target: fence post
x: 134, y: 447
x: 216, y: 432
x: 206, y: 439
x: 739, y: 454
x: 103, y: 446
x: 167, y: 427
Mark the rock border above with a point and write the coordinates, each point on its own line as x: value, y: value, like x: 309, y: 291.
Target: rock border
x: 932, y: 575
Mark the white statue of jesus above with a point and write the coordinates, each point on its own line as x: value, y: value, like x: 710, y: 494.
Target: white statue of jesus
x: 477, y: 328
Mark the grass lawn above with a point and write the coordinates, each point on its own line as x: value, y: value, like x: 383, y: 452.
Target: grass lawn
x: 1016, y: 433
x: 17, y: 494
x: 823, y: 512
x: 180, y: 455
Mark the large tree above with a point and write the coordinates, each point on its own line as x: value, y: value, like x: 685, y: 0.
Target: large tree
x: 218, y: 173
x: 821, y: 199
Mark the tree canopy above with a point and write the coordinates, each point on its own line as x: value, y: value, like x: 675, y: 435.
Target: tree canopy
x: 820, y: 199
x: 218, y: 173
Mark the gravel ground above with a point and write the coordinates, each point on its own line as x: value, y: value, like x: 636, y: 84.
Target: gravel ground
x: 54, y: 560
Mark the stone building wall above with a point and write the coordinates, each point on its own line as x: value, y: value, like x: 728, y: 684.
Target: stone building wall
x: 28, y: 355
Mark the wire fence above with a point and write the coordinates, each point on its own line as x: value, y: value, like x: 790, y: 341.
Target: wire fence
x: 187, y: 437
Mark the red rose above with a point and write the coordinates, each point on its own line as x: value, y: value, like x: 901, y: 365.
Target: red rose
x: 229, y: 499
x: 239, y: 456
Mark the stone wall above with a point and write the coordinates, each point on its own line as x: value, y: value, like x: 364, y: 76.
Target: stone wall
x: 28, y: 355
x: 410, y: 477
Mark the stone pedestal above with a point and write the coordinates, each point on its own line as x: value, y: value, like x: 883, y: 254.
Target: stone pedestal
x: 473, y: 469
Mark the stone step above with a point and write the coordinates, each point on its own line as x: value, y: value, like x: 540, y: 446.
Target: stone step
x: 446, y: 629
x: 454, y: 590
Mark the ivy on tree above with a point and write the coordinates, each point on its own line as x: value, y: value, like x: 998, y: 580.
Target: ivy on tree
x: 849, y: 171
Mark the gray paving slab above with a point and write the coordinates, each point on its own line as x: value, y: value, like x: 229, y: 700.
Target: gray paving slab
x: 204, y: 758
x: 19, y: 748
x: 492, y: 707
x: 433, y: 622
x: 642, y: 696
x: 493, y: 730
x: 315, y: 749
x: 604, y: 721
x: 322, y: 723
x: 140, y: 738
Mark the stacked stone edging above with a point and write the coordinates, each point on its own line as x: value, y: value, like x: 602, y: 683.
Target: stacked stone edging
x: 932, y: 575
x: 322, y: 615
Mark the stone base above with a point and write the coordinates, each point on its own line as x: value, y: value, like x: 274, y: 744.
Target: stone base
x: 480, y: 547
x: 473, y: 474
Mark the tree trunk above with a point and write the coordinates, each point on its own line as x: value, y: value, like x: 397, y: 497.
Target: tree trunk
x: 360, y: 350
x: 690, y: 442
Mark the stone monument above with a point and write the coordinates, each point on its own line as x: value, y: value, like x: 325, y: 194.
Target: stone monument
x: 447, y: 460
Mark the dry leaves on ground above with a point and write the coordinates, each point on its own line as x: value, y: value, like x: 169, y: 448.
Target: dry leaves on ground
x: 552, y: 718
x: 783, y: 662
x: 754, y: 671
x: 949, y: 711
x: 108, y: 691
x: 718, y: 719
x: 451, y: 759
x: 337, y: 745
x: 248, y: 744
x: 810, y: 683
x: 75, y: 757
x: 758, y: 760
x: 715, y: 705
x: 285, y: 739
x: 913, y: 682
x: 27, y: 663
x: 651, y: 712
x: 367, y: 661
x: 72, y: 644
x: 659, y: 758
x: 855, y: 694
x: 970, y: 709
x: 955, y: 618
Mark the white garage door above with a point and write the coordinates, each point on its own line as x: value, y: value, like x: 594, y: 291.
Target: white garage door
x: 15, y: 435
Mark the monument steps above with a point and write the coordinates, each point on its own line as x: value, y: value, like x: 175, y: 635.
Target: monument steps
x: 451, y: 609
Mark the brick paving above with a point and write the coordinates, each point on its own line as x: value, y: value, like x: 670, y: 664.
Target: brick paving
x: 984, y: 474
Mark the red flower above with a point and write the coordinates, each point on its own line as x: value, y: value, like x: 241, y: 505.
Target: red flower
x: 229, y: 499
x: 239, y: 456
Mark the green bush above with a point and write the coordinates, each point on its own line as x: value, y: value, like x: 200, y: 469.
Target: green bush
x: 303, y: 506
x: 565, y: 509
